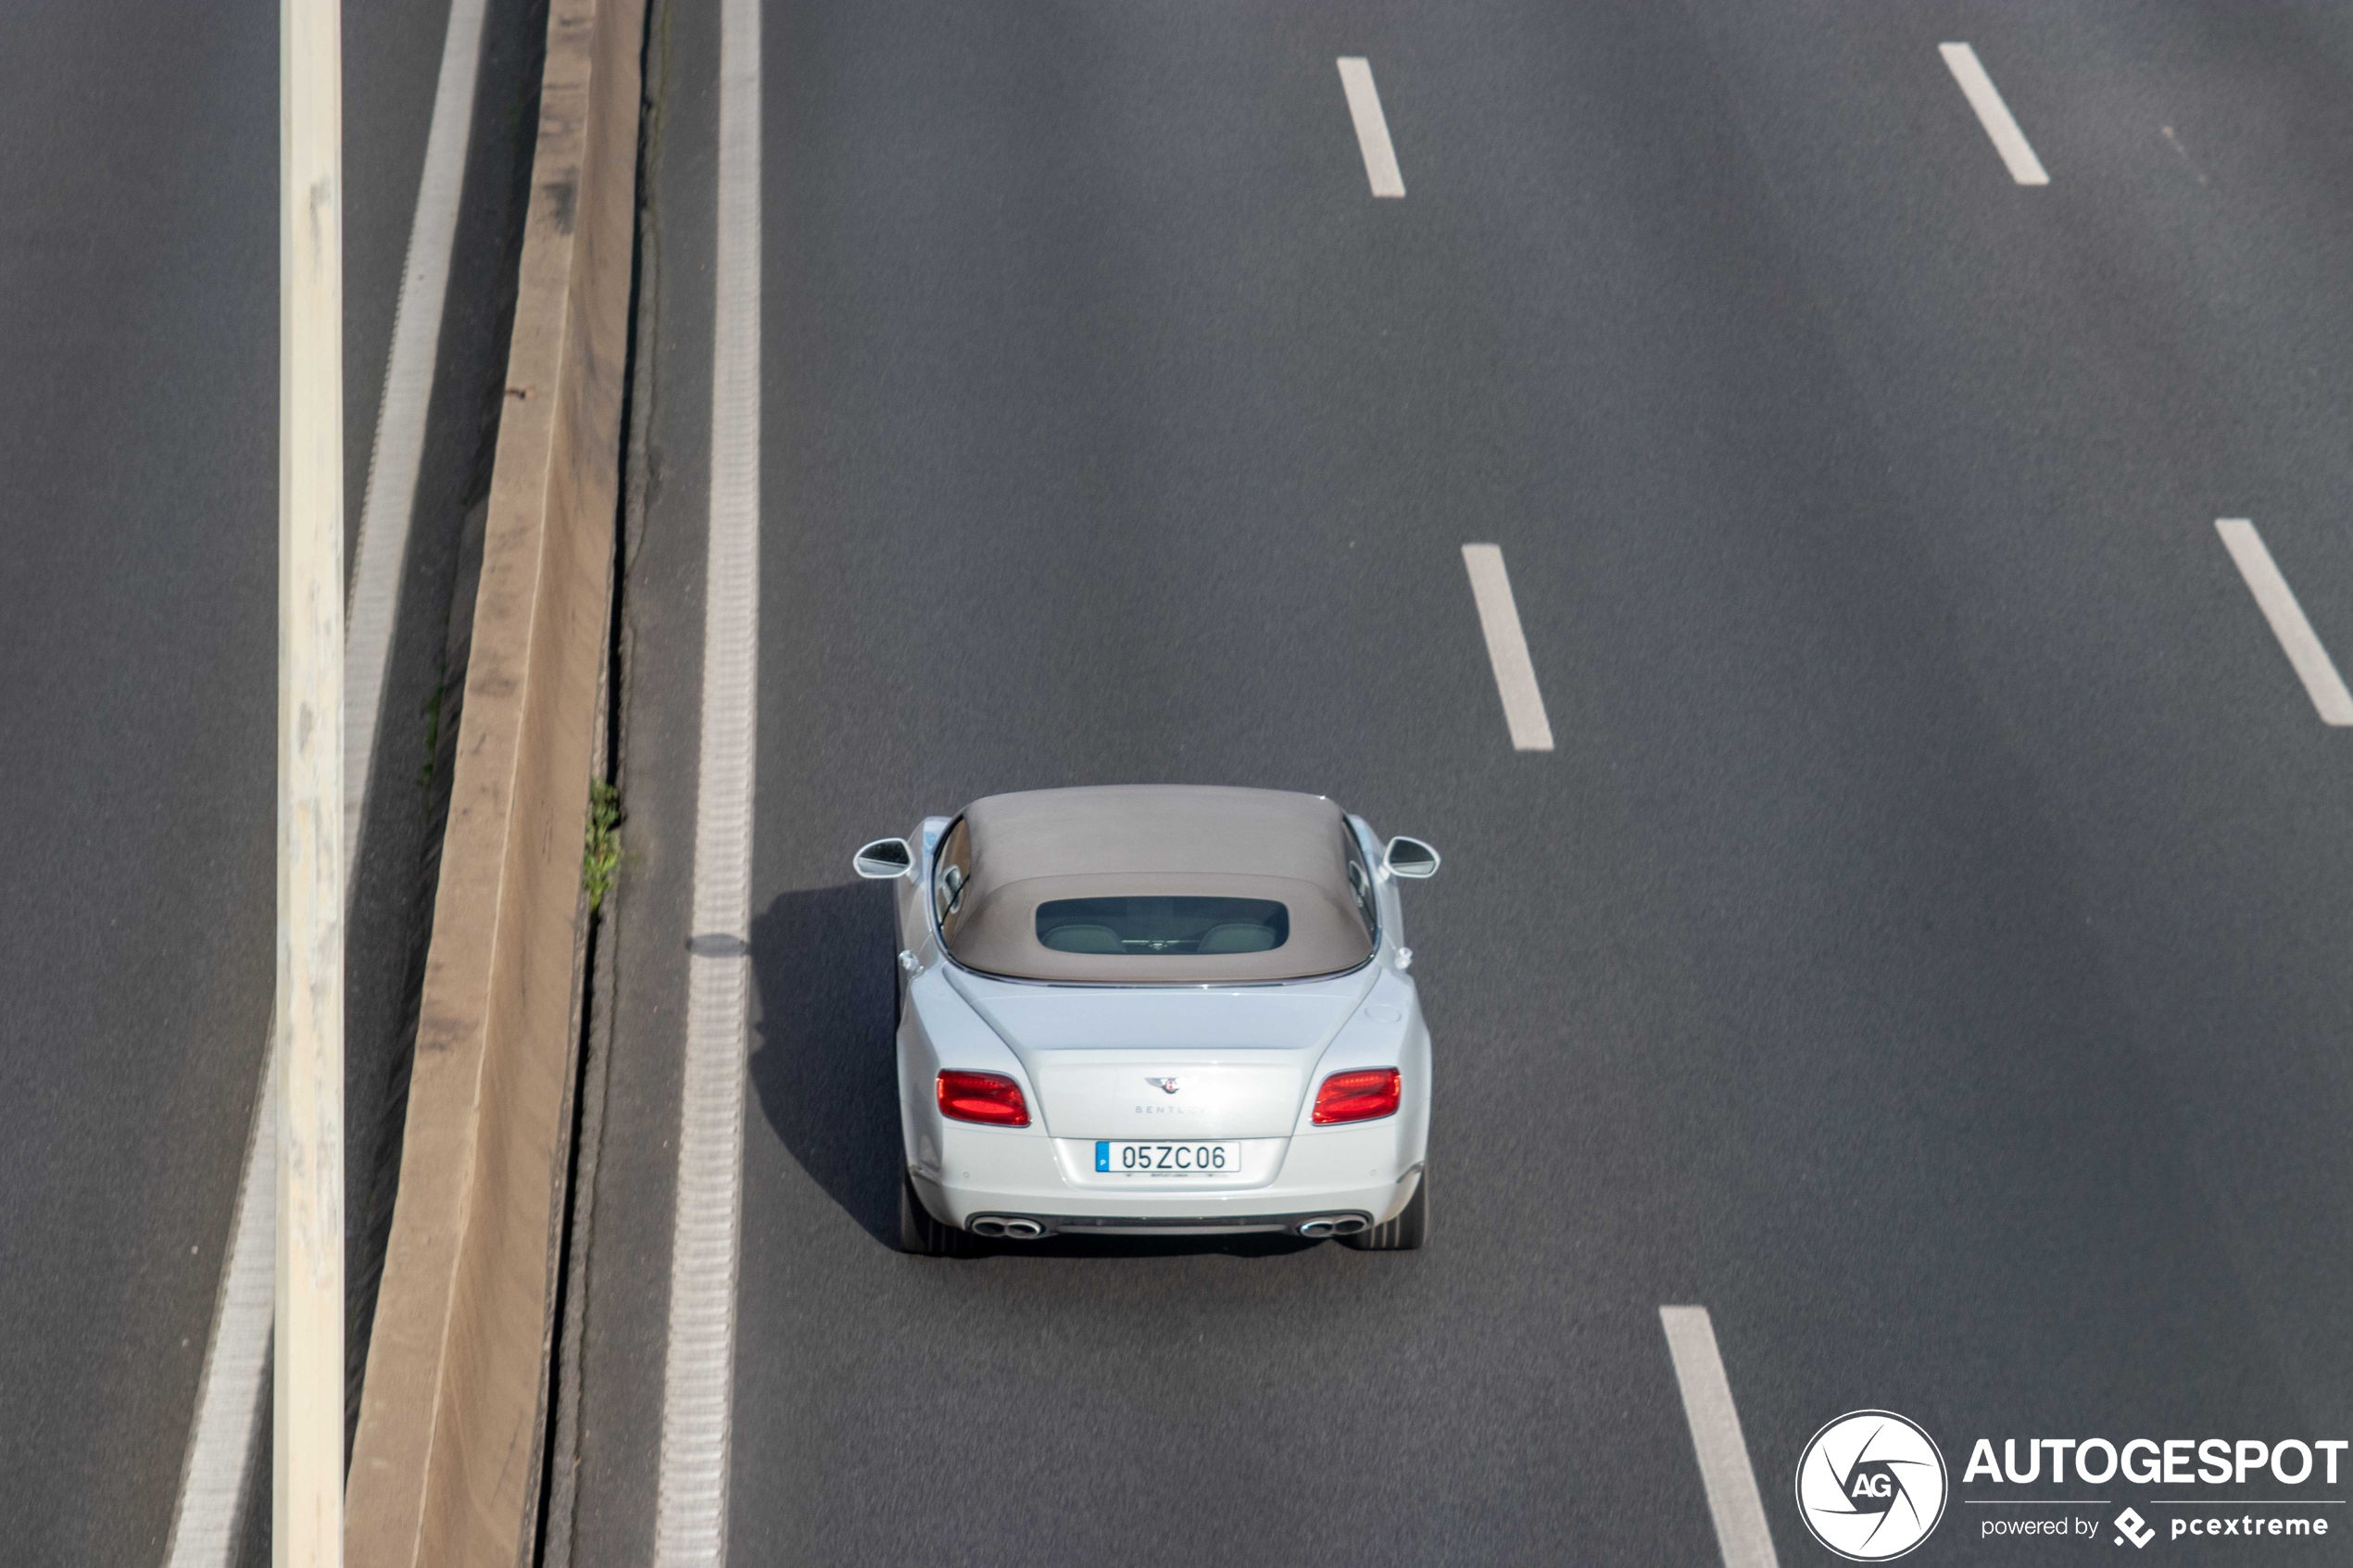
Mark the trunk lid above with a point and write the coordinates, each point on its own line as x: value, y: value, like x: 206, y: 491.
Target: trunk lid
x: 1238, y: 1058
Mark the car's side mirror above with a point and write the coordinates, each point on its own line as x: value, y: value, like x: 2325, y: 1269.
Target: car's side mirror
x: 1409, y: 856
x: 885, y: 859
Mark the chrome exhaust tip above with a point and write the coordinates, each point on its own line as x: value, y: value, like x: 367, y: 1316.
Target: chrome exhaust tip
x: 1006, y: 1227
x: 1323, y: 1226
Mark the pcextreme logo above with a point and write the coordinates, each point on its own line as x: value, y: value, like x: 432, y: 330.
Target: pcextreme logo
x: 1871, y: 1486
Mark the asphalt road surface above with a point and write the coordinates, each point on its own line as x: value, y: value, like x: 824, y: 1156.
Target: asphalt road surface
x: 1923, y: 947
x: 138, y: 616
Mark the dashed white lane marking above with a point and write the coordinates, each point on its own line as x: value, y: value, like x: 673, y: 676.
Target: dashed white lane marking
x: 230, y: 1403
x: 1372, y: 129
x: 690, y: 1515
x: 2277, y: 601
x: 1724, y: 1469
x: 1507, y: 649
x: 1993, y: 114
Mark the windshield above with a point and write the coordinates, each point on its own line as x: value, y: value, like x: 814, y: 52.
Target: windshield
x: 1163, y: 926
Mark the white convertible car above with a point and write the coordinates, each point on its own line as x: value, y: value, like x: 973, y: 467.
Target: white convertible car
x: 1156, y: 1011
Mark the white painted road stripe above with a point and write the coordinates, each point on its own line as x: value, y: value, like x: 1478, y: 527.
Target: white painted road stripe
x: 1507, y: 649
x: 230, y: 1404
x: 399, y: 452
x: 1724, y: 1469
x: 2278, y: 604
x: 1993, y: 114
x: 232, y: 1396
x: 1372, y: 129
x: 690, y: 1518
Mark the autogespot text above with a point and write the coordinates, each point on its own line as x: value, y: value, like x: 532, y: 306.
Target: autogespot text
x: 2171, y: 1462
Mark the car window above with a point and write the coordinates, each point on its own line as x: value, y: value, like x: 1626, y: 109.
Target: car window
x: 1360, y: 879
x: 952, y: 868
x: 1163, y: 926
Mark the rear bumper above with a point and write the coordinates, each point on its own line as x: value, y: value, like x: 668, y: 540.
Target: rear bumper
x: 1316, y: 1225
x: 1344, y: 1174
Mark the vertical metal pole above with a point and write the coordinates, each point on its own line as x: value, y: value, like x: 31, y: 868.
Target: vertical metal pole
x: 307, y: 1483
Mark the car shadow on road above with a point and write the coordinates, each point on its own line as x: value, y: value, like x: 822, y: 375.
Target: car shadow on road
x: 826, y: 1076
x: 822, y: 1062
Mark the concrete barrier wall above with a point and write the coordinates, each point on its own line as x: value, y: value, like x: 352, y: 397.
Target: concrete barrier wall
x: 445, y: 1464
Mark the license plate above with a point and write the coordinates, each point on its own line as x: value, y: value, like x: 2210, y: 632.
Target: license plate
x: 1168, y: 1158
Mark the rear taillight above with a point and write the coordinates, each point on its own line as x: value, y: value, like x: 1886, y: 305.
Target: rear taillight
x: 983, y: 1097
x: 1358, y: 1096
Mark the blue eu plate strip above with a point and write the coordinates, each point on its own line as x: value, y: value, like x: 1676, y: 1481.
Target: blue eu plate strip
x: 1103, y: 1155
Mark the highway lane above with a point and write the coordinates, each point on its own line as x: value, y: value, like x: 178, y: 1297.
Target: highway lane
x: 2162, y: 345
x: 1921, y: 947
x: 137, y: 633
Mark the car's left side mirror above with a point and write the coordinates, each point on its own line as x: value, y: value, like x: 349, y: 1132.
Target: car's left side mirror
x: 885, y: 859
x: 1409, y: 856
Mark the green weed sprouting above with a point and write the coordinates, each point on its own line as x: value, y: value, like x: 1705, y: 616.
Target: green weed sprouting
x: 601, y: 860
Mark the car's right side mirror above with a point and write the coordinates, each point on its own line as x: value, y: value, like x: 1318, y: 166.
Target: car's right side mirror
x: 1409, y: 856
x: 885, y: 859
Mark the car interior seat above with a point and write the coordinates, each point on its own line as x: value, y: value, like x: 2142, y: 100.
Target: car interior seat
x: 1083, y: 939
x: 1237, y: 936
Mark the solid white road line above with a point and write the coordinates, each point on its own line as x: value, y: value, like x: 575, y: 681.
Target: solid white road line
x: 230, y: 1403
x: 1716, y: 1432
x: 2278, y: 604
x: 399, y: 451
x: 1994, y: 115
x: 1507, y: 649
x: 1372, y: 129
x: 231, y: 1399
x: 690, y: 1518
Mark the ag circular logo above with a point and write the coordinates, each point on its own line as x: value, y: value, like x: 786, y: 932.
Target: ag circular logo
x: 1871, y: 1486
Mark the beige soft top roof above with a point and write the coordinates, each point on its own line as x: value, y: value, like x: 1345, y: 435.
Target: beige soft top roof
x: 1157, y: 840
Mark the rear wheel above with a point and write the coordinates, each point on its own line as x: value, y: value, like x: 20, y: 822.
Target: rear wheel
x: 1403, y: 1234
x: 923, y: 1236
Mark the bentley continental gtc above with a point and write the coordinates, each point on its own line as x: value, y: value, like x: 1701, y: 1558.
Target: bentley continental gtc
x: 1156, y: 1011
